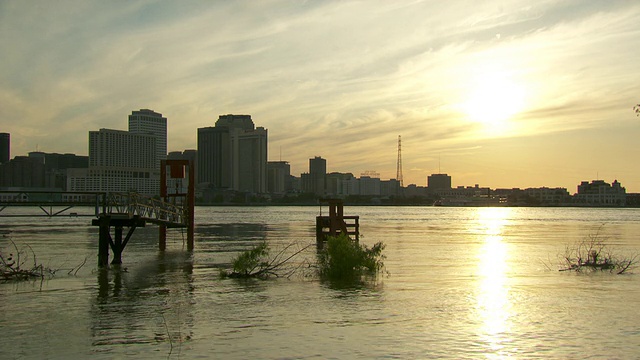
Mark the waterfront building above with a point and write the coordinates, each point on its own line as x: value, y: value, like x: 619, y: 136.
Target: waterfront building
x: 56, y: 167
x: 278, y: 177
x: 390, y: 187
x: 335, y: 183
x: 315, y: 180
x: 436, y: 182
x: 369, y: 186
x: 145, y: 122
x: 600, y: 193
x: 119, y: 161
x: 22, y: 172
x: 549, y: 196
x: 5, y: 148
x: 233, y: 155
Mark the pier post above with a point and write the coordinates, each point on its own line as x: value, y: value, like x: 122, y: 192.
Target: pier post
x: 103, y: 241
x: 117, y: 247
x: 162, y: 237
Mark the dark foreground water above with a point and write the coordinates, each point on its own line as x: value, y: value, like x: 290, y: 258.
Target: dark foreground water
x: 463, y: 283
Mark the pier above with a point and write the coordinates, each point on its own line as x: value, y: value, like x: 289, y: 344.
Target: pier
x: 174, y: 209
x: 336, y: 222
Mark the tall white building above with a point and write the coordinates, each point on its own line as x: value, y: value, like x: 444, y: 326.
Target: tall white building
x: 123, y: 161
x: 147, y: 121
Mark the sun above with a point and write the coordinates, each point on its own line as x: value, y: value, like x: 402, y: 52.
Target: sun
x: 492, y: 100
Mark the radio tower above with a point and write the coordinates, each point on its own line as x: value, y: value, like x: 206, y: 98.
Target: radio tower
x: 399, y: 169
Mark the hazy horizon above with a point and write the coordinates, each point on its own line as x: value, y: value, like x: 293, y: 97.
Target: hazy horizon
x: 500, y: 94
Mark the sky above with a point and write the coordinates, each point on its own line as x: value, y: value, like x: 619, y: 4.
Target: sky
x: 502, y: 94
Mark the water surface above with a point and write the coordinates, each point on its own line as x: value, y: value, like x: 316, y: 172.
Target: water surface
x: 463, y: 283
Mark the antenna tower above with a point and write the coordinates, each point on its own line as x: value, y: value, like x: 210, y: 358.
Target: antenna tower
x: 399, y: 169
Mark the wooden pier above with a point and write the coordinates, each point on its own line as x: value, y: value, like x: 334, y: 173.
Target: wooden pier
x: 336, y: 222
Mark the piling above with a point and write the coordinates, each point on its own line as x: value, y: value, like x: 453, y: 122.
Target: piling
x: 336, y: 223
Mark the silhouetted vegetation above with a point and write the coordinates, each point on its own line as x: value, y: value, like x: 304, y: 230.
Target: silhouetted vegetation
x: 341, y: 259
x: 345, y: 259
x: 259, y: 262
x: 21, y: 264
x: 594, y: 254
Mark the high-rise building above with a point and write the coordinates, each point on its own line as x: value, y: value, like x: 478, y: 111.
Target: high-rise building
x: 233, y: 155
x: 278, y: 177
x: 119, y: 161
x: 214, y: 164
x: 147, y: 121
x: 315, y: 180
x: 5, y: 148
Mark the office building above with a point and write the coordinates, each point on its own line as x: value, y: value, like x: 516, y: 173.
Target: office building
x: 145, y: 122
x: 600, y: 193
x: 278, y: 177
x: 22, y: 172
x: 315, y: 181
x: 56, y: 166
x: 5, y: 148
x: 233, y: 155
x: 119, y: 161
x: 437, y: 182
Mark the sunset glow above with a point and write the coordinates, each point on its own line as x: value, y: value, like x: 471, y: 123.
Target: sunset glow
x: 476, y: 89
x: 493, y: 101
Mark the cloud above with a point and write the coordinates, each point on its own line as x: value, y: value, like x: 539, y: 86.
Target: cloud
x: 340, y: 79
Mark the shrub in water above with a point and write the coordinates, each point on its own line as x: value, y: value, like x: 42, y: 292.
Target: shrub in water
x: 345, y: 259
x: 247, y: 262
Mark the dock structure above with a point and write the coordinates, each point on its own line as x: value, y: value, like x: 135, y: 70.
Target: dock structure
x: 336, y: 222
x: 132, y: 210
x: 174, y: 209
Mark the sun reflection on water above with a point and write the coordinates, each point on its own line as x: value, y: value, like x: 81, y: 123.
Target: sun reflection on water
x: 493, y: 304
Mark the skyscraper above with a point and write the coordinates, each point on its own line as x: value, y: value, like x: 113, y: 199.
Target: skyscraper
x: 5, y: 148
x: 233, y: 154
x: 317, y: 176
x: 147, y: 121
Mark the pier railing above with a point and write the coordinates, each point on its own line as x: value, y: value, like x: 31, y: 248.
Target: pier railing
x: 129, y: 204
x: 147, y: 208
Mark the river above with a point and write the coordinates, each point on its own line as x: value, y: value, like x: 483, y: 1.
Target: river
x: 461, y: 283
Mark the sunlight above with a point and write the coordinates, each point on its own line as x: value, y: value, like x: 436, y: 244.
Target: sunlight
x: 493, y: 99
x: 493, y: 293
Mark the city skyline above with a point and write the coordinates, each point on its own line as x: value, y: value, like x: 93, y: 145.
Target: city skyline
x: 342, y: 80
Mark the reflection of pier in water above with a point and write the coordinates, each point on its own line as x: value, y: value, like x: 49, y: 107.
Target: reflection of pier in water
x: 136, y: 308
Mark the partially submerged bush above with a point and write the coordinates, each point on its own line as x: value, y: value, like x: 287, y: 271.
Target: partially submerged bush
x: 15, y: 264
x: 345, y: 259
x: 593, y: 254
x: 20, y: 263
x: 258, y: 263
